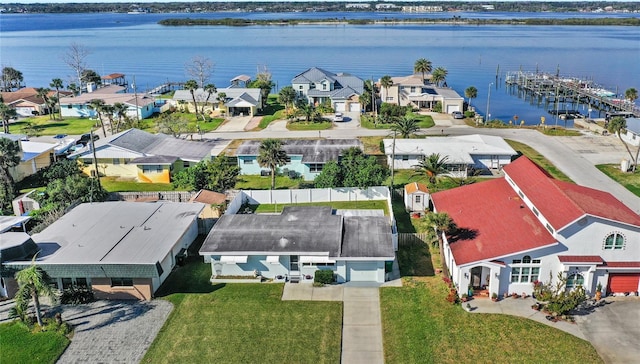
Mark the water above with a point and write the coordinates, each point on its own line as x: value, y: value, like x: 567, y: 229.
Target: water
x: 136, y: 45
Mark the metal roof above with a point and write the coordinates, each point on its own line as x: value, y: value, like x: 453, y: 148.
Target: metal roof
x: 7, y: 222
x: 116, y: 233
x: 312, y: 151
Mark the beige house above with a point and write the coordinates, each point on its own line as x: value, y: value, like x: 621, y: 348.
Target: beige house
x: 34, y: 156
x: 237, y: 100
x: 413, y: 91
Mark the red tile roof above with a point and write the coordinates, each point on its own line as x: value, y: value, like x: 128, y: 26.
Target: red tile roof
x: 492, y: 222
x: 580, y: 259
x: 414, y: 187
x: 561, y: 202
x: 622, y: 264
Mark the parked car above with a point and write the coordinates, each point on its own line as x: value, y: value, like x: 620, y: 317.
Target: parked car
x: 457, y: 115
x: 59, y: 136
x: 85, y: 138
x: 338, y: 117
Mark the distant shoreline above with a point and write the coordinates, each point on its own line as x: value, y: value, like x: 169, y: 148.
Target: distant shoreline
x: 459, y: 21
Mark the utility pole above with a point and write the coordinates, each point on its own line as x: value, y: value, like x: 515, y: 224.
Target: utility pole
x: 135, y: 95
x: 95, y: 163
x: 488, y: 102
x: 393, y: 161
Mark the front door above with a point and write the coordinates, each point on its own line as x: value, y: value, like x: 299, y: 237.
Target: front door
x: 294, y: 266
x: 476, y: 277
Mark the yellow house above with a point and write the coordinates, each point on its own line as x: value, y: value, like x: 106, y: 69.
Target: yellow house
x: 34, y: 156
x: 144, y: 157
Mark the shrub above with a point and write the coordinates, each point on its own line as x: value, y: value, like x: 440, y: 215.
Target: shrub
x: 469, y: 114
x: 323, y: 276
x: 76, y: 296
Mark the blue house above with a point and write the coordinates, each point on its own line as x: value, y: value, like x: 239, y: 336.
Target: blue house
x: 306, y: 157
x: 78, y: 106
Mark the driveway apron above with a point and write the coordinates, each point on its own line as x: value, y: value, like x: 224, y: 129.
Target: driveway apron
x: 362, y: 326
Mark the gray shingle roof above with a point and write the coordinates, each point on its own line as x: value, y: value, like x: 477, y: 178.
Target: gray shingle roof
x: 340, y: 81
x: 312, y: 151
x: 367, y: 236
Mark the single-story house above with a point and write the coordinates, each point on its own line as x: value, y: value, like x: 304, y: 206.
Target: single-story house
x: 631, y: 134
x: 287, y: 246
x: 413, y: 91
x: 145, y: 157
x: 465, y: 153
x: 26, y: 101
x: 34, y: 156
x: 121, y: 250
x: 416, y: 197
x: 237, y: 101
x: 78, y: 106
x: 306, y: 157
x: 528, y: 226
x: 341, y: 90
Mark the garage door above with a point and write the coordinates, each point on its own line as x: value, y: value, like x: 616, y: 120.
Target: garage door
x: 354, y: 107
x: 363, y: 272
x: 623, y: 282
x: 452, y: 108
x: 340, y: 106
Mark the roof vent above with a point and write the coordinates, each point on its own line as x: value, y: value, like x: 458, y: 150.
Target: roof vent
x: 147, y: 228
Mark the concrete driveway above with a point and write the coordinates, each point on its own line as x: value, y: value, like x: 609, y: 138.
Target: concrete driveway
x: 614, y: 329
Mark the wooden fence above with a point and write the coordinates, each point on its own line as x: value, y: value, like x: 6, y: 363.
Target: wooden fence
x: 406, y: 240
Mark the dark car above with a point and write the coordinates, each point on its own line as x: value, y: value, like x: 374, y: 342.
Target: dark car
x: 59, y: 136
x: 85, y: 138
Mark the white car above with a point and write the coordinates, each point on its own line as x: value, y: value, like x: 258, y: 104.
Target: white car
x: 338, y: 117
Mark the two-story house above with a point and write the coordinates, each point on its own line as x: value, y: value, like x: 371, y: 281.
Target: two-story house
x: 413, y: 91
x: 529, y: 227
x: 318, y: 86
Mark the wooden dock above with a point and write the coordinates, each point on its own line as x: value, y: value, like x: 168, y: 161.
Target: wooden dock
x: 548, y: 90
x: 165, y: 87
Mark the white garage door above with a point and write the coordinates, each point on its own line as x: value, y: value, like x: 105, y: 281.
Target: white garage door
x: 452, y: 108
x: 354, y: 106
x: 363, y: 272
x: 339, y: 106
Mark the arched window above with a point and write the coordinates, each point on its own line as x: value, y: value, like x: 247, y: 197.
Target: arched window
x: 526, y: 259
x: 614, y: 241
x: 575, y: 280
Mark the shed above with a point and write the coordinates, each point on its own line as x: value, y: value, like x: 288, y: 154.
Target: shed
x: 416, y: 197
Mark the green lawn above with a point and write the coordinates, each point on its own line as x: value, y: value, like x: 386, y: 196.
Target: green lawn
x: 557, y: 131
x: 363, y: 205
x: 19, y: 345
x: 303, y: 125
x: 242, y: 323
x: 45, y: 126
x: 251, y: 182
x: 420, y: 326
x: 630, y: 181
x: 424, y: 122
x: 535, y: 156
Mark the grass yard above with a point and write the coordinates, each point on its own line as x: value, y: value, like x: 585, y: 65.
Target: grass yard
x: 19, y: 345
x: 251, y: 182
x: 42, y: 125
x: 558, y: 131
x: 535, y: 156
x: 630, y: 181
x: 303, y: 125
x: 362, y: 205
x: 424, y: 122
x: 242, y: 323
x: 112, y: 184
x: 420, y: 326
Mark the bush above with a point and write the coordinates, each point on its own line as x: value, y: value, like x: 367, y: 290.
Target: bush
x: 469, y: 114
x: 323, y: 276
x: 76, y: 296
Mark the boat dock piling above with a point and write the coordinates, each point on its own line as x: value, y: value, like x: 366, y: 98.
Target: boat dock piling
x: 545, y: 88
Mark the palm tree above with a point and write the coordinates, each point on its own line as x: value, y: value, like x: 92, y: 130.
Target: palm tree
x: 6, y: 113
x: 405, y: 127
x: 209, y: 89
x: 441, y: 223
x: 271, y: 155
x: 386, y: 82
x: 439, y: 76
x: 192, y: 86
x: 120, y: 110
x: 617, y: 125
x: 97, y: 105
x: 33, y: 282
x: 471, y: 93
x: 43, y: 93
x: 108, y: 111
x: 57, y: 84
x: 287, y: 96
x: 423, y: 66
x: 432, y: 166
x: 9, y: 158
x: 631, y: 94
x: 221, y: 99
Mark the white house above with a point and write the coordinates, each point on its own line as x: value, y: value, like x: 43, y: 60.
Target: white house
x: 464, y: 153
x: 341, y: 90
x: 527, y: 227
x: 413, y: 91
x: 416, y: 197
x: 631, y: 134
x: 120, y: 250
x: 237, y: 100
x: 354, y: 244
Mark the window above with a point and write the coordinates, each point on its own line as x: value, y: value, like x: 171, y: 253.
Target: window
x: 316, y: 167
x: 405, y: 157
x: 614, y: 241
x: 247, y: 161
x: 525, y: 270
x: 152, y: 169
x: 575, y: 280
x: 185, y: 164
x: 116, y: 161
x: 288, y: 159
x: 535, y: 211
x: 121, y: 282
x: 66, y: 283
x: 309, y: 264
x: 413, y: 89
x: 418, y: 198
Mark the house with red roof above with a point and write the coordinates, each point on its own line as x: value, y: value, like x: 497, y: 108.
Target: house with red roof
x: 529, y: 226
